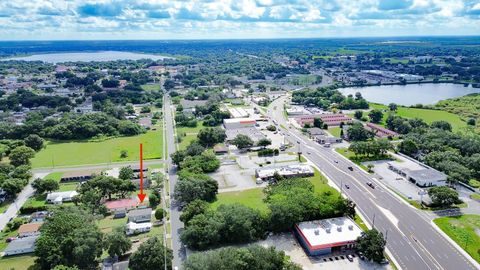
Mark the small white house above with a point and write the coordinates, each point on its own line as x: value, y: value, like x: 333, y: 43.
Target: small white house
x: 60, y: 197
x: 136, y: 228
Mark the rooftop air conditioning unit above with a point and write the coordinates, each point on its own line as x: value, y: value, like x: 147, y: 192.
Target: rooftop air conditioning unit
x: 328, y: 230
x: 350, y: 227
x: 316, y: 232
x: 339, y: 228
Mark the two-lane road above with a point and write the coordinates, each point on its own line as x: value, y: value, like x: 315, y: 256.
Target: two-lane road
x: 412, y: 240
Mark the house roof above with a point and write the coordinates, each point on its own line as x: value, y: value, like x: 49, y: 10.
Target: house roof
x: 21, y: 243
x: 29, y: 228
x: 123, y: 203
x: 140, y: 212
x: 66, y: 194
x: 137, y: 226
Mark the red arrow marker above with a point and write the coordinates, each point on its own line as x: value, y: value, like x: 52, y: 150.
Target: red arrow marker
x: 141, y: 195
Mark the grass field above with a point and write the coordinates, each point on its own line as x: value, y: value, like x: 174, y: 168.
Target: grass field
x: 462, y: 230
x: 21, y: 262
x: 254, y: 197
x: 358, y: 160
x: 335, y: 131
x: 86, y: 152
x: 151, y: 87
x: 425, y: 114
x: 190, y: 134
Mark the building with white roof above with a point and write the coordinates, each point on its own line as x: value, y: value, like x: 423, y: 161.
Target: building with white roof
x: 325, y: 236
x: 289, y: 171
x: 420, y: 174
x: 238, y: 112
x: 135, y: 228
x: 60, y: 197
x: 234, y: 123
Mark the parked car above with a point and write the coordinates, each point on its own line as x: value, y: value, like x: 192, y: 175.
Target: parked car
x: 10, y: 239
x: 347, y: 186
x: 350, y: 257
x: 370, y: 184
x: 350, y: 168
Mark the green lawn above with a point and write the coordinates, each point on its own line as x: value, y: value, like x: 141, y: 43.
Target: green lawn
x: 151, y: 87
x: 254, y: 197
x: 251, y: 197
x: 358, y: 160
x: 21, y: 262
x: 462, y: 230
x: 4, y: 205
x: 55, y: 176
x: 188, y: 134
x: 86, y: 152
x: 425, y: 114
x: 335, y: 131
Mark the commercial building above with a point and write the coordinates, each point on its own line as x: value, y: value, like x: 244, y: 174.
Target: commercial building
x: 289, y: 171
x: 321, y: 237
x: 234, y: 123
x: 322, y: 139
x: 251, y: 132
x: 140, y: 215
x: 21, y: 246
x: 380, y: 131
x: 331, y: 119
x: 29, y: 229
x: 60, y: 197
x: 423, y: 176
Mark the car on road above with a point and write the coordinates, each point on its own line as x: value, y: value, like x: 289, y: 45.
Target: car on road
x: 347, y: 186
x: 350, y: 168
x: 370, y: 184
x: 350, y: 257
x: 336, y: 161
x: 308, y: 153
x: 298, y: 142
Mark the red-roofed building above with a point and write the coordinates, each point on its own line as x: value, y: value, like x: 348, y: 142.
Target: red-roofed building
x: 123, y: 204
x: 380, y: 131
x: 329, y: 119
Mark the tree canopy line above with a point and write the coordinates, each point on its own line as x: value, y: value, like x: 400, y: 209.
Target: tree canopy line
x: 327, y: 97
x: 210, y: 114
x: 16, y: 174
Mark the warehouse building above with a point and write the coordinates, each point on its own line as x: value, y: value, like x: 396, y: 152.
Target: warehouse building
x: 234, y: 123
x: 321, y: 237
x: 421, y: 175
x: 237, y: 112
x: 289, y: 171
x: 331, y: 119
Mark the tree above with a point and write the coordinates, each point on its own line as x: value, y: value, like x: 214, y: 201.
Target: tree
x: 358, y: 115
x: 372, y: 244
x: 21, y: 155
x: 192, y: 186
x: 375, y: 116
x: 63, y: 267
x: 357, y: 132
x: 441, y: 124
x: 194, y: 149
x: 251, y: 257
x: 208, y: 137
x: 443, y: 196
x: 45, y: 185
x: 317, y: 122
x: 392, y: 107
x: 151, y: 256
x: 264, y: 142
x: 34, y: 141
x: 117, y: 243
x: 471, y: 122
x: 160, y: 214
x: 192, y: 209
x: 408, y: 147
x: 242, y: 141
x: 126, y: 173
x: 154, y: 199
x: 178, y: 156
x: 69, y: 237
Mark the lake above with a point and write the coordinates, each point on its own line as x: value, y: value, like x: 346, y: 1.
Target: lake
x: 411, y: 94
x: 88, y: 57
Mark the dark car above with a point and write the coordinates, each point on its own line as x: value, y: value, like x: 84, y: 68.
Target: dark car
x: 370, y: 184
x: 347, y: 186
x: 350, y: 168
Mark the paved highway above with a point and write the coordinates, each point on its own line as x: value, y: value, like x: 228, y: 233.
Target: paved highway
x: 179, y: 253
x: 411, y: 238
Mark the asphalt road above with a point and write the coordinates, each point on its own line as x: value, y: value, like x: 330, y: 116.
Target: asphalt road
x: 178, y: 249
x: 411, y: 238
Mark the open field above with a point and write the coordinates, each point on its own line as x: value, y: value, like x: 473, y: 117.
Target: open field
x: 86, y: 152
x: 425, y: 114
x: 358, y: 160
x: 21, y: 262
x: 151, y: 87
x: 335, y: 131
x: 464, y: 231
x: 188, y: 134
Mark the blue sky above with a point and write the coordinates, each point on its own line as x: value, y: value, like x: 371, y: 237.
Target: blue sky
x: 209, y: 19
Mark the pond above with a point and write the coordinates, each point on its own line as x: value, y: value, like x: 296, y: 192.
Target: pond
x: 87, y: 57
x: 411, y: 94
